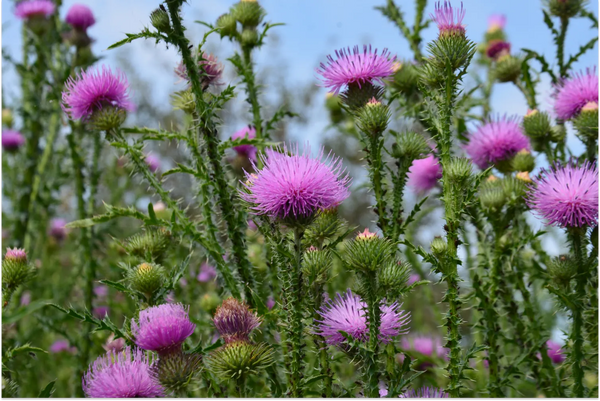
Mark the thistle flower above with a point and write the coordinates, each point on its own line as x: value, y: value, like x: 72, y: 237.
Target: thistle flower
x: 239, y: 359
x: 427, y: 346
x: 248, y: 151
x: 80, y: 17
x: 270, y: 303
x: 207, y: 273
x: 496, y: 22
x: 57, y: 229
x: 449, y: 20
x: 153, y: 162
x: 496, y: 141
x: 16, y: 254
x: 34, y: 8
x: 62, y: 346
x: 235, y: 321
x: 355, y: 67
x: 101, y: 291
x: 25, y: 298
x: 497, y: 48
x: 296, y: 186
x: 213, y: 70
x: 573, y: 93
x: 425, y: 392
x: 98, y: 96
x: 162, y: 328
x: 12, y: 140
x: 347, y: 313
x: 100, y: 311
x: 112, y: 344
x: 423, y: 174
x: 124, y: 374
x: 555, y: 352
x: 566, y: 196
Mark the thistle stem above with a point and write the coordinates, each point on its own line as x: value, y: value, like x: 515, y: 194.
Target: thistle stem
x: 560, y: 46
x: 252, y: 90
x: 321, y: 345
x: 376, y: 172
x: 373, y: 322
x: 399, y: 181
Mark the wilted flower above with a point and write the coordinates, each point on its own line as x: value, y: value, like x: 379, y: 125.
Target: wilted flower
x: 496, y: 22
x: 12, y: 140
x: 235, y: 321
x: 207, y: 273
x: 356, y: 67
x: 248, y: 151
x: 124, y: 374
x: 572, y: 94
x: 449, y: 20
x: 347, y: 313
x: 424, y: 174
x: 57, y: 229
x: 566, y: 196
x: 80, y: 17
x: 162, y: 328
x: 34, y: 8
x: 555, y: 352
x: 425, y: 392
x: 62, y: 346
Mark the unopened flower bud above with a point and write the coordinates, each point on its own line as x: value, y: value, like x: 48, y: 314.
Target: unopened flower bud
x: 492, y: 198
x: 565, y: 8
x: 558, y: 133
x: 459, y: 170
x: 249, y: 38
x: 184, y: 100
x: 586, y: 123
x: 326, y: 225
x: 239, y: 359
x: 249, y: 13
x: 356, y: 97
x: 536, y: 124
x: 150, y: 244
x: 373, y: 118
x: 160, y: 20
x: 524, y: 176
x: 316, y: 265
x: 7, y: 118
x: 15, y: 268
x: 147, y: 278
x: 107, y: 118
x: 523, y: 161
x: 562, y: 269
x: 394, y: 276
x: 209, y: 302
x: 175, y: 370
x: 410, y: 146
x: 507, y: 69
x: 405, y: 78
x: 227, y: 25
x: 369, y: 252
x: 439, y: 247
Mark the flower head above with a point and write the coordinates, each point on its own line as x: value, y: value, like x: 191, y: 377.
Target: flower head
x: 25, y: 298
x: 555, y: 352
x: 57, y: 229
x: 62, y: 346
x: 496, y: 141
x: 80, y: 17
x: 235, y: 321
x: 296, y: 185
x: 113, y: 344
x: 16, y: 254
x: 249, y: 151
x: 425, y: 392
x: 207, y: 273
x: 162, y: 328
x: 213, y: 70
x: 497, y: 48
x: 101, y: 311
x: 496, y: 22
x: 153, y: 162
x: 126, y: 374
x: 366, y: 235
x: 12, y: 140
x: 428, y: 346
x: 573, y: 93
x: 33, y: 8
x: 347, y: 313
x: 93, y: 90
x: 424, y: 174
x: 449, y: 20
x: 566, y: 196
x: 355, y: 67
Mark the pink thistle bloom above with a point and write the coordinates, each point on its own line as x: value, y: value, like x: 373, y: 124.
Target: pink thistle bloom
x: 566, y: 196
x: 235, y: 321
x: 101, y: 291
x: 80, y: 17
x: 413, y: 279
x: 126, y: 374
x: 497, y: 49
x: 162, y: 328
x: 34, y: 8
x: 94, y: 89
x: 153, y: 162
x: 213, y: 70
x: 496, y: 22
x: 296, y: 185
x: 12, y: 140
x: 572, y: 94
x: 355, y: 67
x: 496, y: 141
x: 16, y: 254
x: 248, y: 151
x: 347, y: 313
x: 270, y: 303
x: 449, y: 20
x: 101, y: 311
x: 428, y: 346
x: 62, y: 346
x: 424, y: 174
x: 555, y: 352
x: 207, y: 273
x: 26, y: 298
x: 57, y: 229
x: 425, y: 392
x: 114, y: 345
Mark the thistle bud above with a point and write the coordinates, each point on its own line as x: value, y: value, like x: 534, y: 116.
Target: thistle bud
x: 176, y: 370
x: 151, y: 244
x: 369, y: 252
x: 492, y: 198
x: 405, y: 78
x: 394, y: 276
x: 107, y: 118
x: 333, y: 104
x: 558, y: 133
x: 7, y: 118
x: 410, y: 146
x: 524, y: 176
x: 160, y: 20
x: 15, y: 268
x: 326, y: 226
x: 316, y: 265
x: 235, y: 321
x: 373, y: 118
x: 227, y: 25
x: 439, y: 247
x: 536, y: 124
x: 562, y: 269
x: 184, y: 100
x: 240, y: 359
x: 249, y: 38
x: 430, y: 75
x: 454, y: 50
x: 147, y: 278
x: 565, y: 8
x: 249, y: 13
x: 586, y: 123
x: 355, y: 97
x: 523, y: 161
x: 209, y: 302
x: 514, y: 188
x: 459, y: 170
x: 507, y: 69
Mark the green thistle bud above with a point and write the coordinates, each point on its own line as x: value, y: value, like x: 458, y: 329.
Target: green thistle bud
x: 524, y: 176
x: 558, y: 133
x: 507, y: 69
x: 107, y: 118
x: 147, y: 278
x: 333, y: 104
x: 523, y: 161
x: 240, y: 359
x: 7, y: 118
x: 227, y: 25
x: 459, y: 170
x: 16, y: 270
x: 536, y: 124
x: 316, y: 265
x: 493, y: 34
x: 368, y: 252
x: 439, y: 247
x: 249, y: 13
x: 176, y: 370
x: 39, y: 24
x: 355, y: 98
x: 565, y: 8
x: 209, y: 302
x: 326, y: 226
x: 373, y: 119
x: 492, y: 198
x: 410, y: 146
x: 430, y: 75
x: 160, y: 20
x: 184, y: 100
x: 455, y: 50
x: 514, y: 189
x: 249, y: 38
x: 586, y: 123
x: 405, y: 78
x: 394, y: 276
x: 562, y: 269
x: 150, y: 244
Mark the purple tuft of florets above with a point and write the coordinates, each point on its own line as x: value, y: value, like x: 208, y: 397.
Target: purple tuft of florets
x: 248, y: 151
x: 496, y: 141
x: 213, y: 70
x: 80, y: 17
x: 347, y: 313
x: 574, y: 93
x: 17, y: 254
x: 496, y: 22
x: 94, y: 89
x: 162, y: 328
x: 207, y: 273
x: 33, y: 8
x: 153, y: 162
x: 235, y: 321
x: 555, y: 352
x: 425, y: 392
x: 57, y: 229
x: 497, y: 48
x: 424, y: 174
x: 296, y: 185
x: 449, y: 20
x: 566, y: 196
x: 126, y: 374
x: 12, y: 140
x: 62, y: 346
x: 428, y: 346
x: 356, y: 67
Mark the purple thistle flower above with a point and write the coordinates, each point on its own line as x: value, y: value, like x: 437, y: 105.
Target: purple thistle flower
x: 248, y: 151
x: 425, y: 392
x: 496, y: 22
x: 17, y: 254
x: 207, y: 273
x: 80, y: 17
x: 424, y: 174
x: 126, y: 374
x: 235, y: 321
x: 101, y: 311
x: 270, y: 303
x: 449, y: 20
x: 347, y: 313
x: 162, y: 328
x: 153, y: 162
x: 497, y: 48
x: 101, y: 291
x: 62, y: 346
x: 57, y: 229
x: 496, y: 141
x: 296, y: 185
x: 114, y: 345
x: 25, y: 298
x: 573, y: 93
x: 34, y: 8
x: 94, y: 89
x: 428, y: 346
x: 12, y: 140
x: 555, y: 352
x: 413, y: 279
x: 566, y: 196
x: 213, y: 70
x: 355, y: 67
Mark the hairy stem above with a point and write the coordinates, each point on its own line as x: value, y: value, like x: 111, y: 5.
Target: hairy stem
x: 375, y: 163
x: 576, y: 356
x: 252, y: 89
x: 373, y: 322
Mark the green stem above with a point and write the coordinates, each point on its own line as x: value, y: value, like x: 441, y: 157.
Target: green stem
x: 240, y: 386
x: 560, y: 46
x: 529, y: 97
x: 373, y: 322
x: 321, y: 345
x: 399, y: 182
x: 253, y: 93
x: 375, y: 163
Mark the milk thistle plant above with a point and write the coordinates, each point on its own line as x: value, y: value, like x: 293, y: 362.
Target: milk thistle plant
x: 430, y: 246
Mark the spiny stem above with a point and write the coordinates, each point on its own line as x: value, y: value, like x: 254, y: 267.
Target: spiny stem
x: 373, y: 322
x: 399, y: 181
x: 376, y: 171
x: 560, y: 46
x: 253, y: 92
